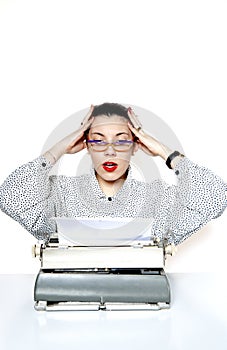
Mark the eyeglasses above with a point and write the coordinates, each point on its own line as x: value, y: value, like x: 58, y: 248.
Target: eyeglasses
x: 120, y: 145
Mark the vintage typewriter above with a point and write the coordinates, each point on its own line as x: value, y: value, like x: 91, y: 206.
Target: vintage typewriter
x: 101, y: 274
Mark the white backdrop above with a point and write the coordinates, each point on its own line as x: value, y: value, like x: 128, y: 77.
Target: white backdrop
x: 169, y: 57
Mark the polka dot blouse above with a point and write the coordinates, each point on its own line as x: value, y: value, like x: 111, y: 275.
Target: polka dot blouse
x: 32, y: 197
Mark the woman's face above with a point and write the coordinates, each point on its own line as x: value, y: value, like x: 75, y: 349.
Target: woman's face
x: 110, y: 164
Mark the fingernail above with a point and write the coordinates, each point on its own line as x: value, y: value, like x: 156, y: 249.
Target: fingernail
x: 129, y: 109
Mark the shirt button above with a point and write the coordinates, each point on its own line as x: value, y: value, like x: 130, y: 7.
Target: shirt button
x: 177, y: 172
x: 44, y: 164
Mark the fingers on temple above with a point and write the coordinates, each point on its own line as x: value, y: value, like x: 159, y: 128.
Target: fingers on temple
x: 136, y: 130
x: 88, y: 115
x: 134, y: 118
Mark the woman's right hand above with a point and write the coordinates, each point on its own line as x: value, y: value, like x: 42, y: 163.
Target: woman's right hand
x: 72, y: 143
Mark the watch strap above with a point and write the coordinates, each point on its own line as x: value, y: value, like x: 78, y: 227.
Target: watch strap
x: 171, y: 157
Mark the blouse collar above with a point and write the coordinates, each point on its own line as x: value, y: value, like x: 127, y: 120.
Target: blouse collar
x: 121, y: 195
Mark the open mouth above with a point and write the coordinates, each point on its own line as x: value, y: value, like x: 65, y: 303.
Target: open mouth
x: 109, y: 166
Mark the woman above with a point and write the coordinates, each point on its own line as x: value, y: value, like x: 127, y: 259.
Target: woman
x: 112, y: 134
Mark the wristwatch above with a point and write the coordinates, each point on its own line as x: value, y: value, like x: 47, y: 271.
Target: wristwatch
x: 171, y: 157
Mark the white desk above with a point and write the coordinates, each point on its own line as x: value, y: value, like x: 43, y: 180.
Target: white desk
x: 196, y: 320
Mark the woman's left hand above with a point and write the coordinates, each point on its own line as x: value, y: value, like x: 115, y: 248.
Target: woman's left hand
x: 146, y: 142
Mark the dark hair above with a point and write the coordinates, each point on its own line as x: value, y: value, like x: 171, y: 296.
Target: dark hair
x: 110, y: 109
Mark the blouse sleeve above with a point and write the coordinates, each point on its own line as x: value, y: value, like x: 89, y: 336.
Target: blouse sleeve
x: 198, y: 197
x: 29, y: 196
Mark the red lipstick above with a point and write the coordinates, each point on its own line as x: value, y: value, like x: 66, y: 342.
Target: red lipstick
x: 109, y: 166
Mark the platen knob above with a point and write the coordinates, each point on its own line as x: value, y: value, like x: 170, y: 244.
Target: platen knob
x: 170, y: 249
x: 36, y: 251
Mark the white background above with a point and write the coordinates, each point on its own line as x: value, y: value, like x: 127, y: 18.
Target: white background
x: 169, y: 57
